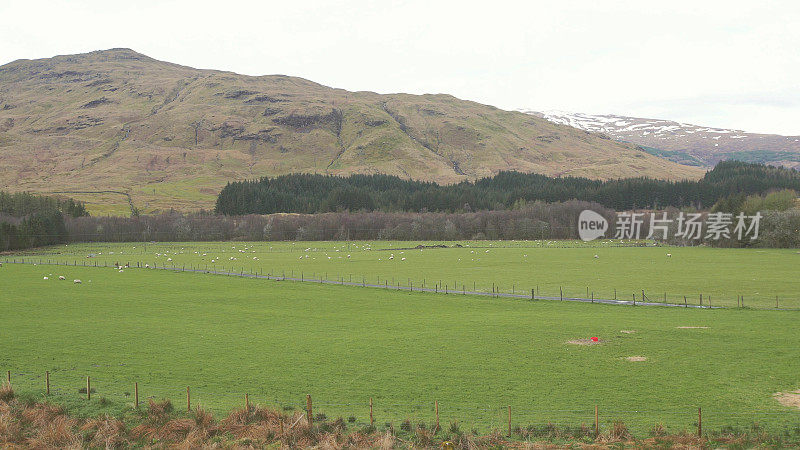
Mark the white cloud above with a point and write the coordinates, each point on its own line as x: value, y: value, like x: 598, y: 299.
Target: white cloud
x: 683, y: 58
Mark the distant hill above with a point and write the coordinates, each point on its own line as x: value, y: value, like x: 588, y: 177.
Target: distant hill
x: 686, y: 143
x: 121, y: 130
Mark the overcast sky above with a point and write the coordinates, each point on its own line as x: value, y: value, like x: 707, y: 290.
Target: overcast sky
x: 732, y: 64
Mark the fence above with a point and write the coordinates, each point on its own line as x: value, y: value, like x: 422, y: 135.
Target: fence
x: 68, y: 387
x: 439, y: 286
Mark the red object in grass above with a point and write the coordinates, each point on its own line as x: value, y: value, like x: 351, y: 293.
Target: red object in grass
x: 594, y: 339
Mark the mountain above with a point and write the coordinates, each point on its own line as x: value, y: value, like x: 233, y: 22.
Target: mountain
x: 116, y: 127
x: 686, y: 143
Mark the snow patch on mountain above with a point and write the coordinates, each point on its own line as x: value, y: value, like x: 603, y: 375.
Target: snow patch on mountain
x: 684, y: 142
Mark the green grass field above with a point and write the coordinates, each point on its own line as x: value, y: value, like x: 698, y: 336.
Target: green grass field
x: 279, y: 340
x: 720, y: 275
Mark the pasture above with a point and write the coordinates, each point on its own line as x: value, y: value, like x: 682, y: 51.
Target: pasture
x: 279, y: 340
x: 721, y: 276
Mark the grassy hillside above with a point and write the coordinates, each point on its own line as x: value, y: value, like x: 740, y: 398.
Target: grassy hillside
x: 172, y: 136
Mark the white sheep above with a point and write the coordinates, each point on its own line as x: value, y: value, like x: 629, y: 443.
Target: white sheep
x: 669, y: 255
x: 76, y: 281
x: 46, y: 278
x: 402, y: 259
x: 596, y: 256
x: 62, y: 277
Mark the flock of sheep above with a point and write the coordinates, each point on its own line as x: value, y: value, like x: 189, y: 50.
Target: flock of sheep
x: 63, y: 278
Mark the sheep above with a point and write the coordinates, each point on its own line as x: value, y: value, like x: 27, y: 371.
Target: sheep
x: 76, y: 281
x: 669, y: 255
x: 62, y: 277
x: 46, y: 278
x: 596, y: 256
x: 402, y: 259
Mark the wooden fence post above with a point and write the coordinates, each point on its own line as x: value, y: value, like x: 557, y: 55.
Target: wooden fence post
x: 699, y: 422
x: 561, y: 293
x: 136, y: 395
x: 309, y: 410
x: 436, y: 428
x: 47, y: 381
x: 685, y: 305
x: 596, y: 421
x: 8, y: 377
x: 188, y: 400
x: 509, y: 420
x: 371, y: 418
x: 88, y: 388
x: 246, y: 402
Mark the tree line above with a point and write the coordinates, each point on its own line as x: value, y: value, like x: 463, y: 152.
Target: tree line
x: 537, y: 220
x: 28, y: 220
x: 312, y: 193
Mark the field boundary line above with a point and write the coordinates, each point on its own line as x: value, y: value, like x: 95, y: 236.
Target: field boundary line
x: 436, y: 290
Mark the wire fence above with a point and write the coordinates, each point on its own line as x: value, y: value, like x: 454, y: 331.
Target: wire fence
x: 116, y: 393
x: 437, y: 285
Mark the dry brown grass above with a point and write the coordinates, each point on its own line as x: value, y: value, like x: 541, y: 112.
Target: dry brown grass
x: 40, y: 425
x: 105, y: 432
x: 6, y: 392
x: 60, y: 432
x: 790, y: 399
